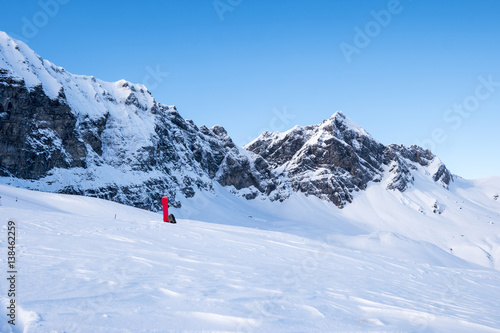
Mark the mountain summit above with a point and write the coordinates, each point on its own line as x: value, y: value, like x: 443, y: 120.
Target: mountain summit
x: 336, y: 158
x: 76, y: 134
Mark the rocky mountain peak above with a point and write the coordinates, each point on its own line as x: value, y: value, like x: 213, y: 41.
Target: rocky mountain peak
x: 337, y: 158
x: 339, y: 123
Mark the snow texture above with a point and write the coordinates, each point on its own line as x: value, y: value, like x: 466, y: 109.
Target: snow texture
x: 303, y: 265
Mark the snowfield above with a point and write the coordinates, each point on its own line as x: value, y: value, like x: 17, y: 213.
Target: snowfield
x: 231, y: 265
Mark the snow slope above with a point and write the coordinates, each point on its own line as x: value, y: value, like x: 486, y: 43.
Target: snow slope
x: 89, y: 265
x: 463, y: 220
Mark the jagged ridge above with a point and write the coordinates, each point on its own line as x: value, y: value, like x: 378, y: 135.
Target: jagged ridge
x: 76, y: 134
x: 337, y: 157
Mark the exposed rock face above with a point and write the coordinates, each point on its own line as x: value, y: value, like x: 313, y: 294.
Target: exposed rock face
x: 337, y: 157
x: 210, y: 152
x: 402, y: 160
x: 34, y: 135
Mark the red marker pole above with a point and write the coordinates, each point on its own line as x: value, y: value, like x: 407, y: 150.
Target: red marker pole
x: 164, y: 202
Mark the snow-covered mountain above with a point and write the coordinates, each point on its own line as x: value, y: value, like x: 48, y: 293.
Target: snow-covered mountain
x: 76, y: 134
x: 337, y: 158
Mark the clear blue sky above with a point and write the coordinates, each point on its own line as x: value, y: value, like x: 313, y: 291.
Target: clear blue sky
x: 413, y: 72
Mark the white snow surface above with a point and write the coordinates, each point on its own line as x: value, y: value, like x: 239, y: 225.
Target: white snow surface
x: 381, y: 264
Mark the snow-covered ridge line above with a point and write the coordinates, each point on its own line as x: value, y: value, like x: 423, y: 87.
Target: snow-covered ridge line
x: 86, y: 95
x: 79, y: 134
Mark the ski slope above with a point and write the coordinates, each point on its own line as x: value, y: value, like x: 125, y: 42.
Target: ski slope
x: 89, y: 265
